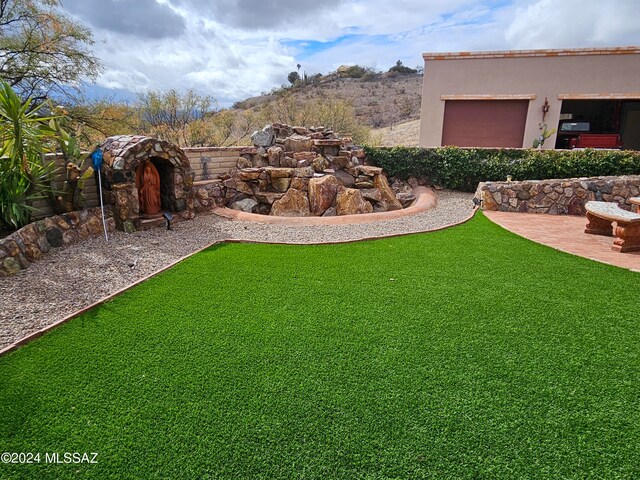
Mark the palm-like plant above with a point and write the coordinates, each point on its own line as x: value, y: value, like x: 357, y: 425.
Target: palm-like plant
x: 71, y: 196
x: 23, y: 171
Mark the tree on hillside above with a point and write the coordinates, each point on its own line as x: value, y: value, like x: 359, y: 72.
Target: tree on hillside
x: 293, y: 77
x: 400, y: 68
x: 93, y: 120
x: 168, y: 115
x: 43, y: 51
x: 191, y: 119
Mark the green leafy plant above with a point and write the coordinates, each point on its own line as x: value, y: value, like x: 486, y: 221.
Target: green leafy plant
x: 463, y: 168
x: 544, y: 134
x: 24, y: 175
x: 71, y: 198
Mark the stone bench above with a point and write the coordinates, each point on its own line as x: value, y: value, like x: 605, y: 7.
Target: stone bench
x: 601, y: 215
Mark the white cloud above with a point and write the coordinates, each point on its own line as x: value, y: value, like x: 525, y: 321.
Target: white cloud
x: 574, y: 23
x: 232, y: 49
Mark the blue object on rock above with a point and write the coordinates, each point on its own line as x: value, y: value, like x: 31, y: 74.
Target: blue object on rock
x: 96, y: 157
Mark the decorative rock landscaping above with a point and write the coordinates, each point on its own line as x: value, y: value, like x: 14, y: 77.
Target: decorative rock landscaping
x: 301, y: 172
x: 557, y: 197
x: 289, y: 172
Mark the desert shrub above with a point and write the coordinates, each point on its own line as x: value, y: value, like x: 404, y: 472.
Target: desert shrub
x: 401, y: 69
x: 332, y: 113
x: 463, y: 168
x: 356, y: 71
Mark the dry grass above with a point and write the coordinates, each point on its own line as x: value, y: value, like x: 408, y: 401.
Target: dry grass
x: 379, y: 101
x: 406, y: 134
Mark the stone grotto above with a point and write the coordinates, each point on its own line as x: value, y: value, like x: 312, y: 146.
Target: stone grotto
x: 301, y: 172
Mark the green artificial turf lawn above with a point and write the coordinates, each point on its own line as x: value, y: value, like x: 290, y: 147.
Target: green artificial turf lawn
x: 464, y: 353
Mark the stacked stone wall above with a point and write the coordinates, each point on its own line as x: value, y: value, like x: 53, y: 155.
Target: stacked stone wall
x: 21, y: 248
x: 558, y: 196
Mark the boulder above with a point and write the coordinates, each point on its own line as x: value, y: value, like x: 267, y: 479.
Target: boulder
x: 349, y: 201
x: 259, y: 162
x: 202, y: 194
x: 300, y: 183
x: 268, y: 197
x: 369, y: 171
x: 293, y: 204
x: 288, y: 162
x: 264, y: 138
x: 263, y: 209
x: 243, y: 187
x: 246, y: 205
x: 10, y: 266
x: 380, y: 182
x: 281, y: 184
x: 400, y: 186
x: 345, y: 179
x: 380, y: 207
x: 488, y: 201
x: 275, y: 155
x: 371, y: 194
x: 298, y: 143
x: 576, y: 207
x: 248, y: 151
x: 305, y: 156
x: 305, y: 172
x: 243, y: 163
x: 229, y: 183
x: 280, y: 172
x: 405, y: 199
x: 249, y: 173
x: 330, y: 212
x: 320, y: 163
x: 341, y: 161
x: 322, y: 193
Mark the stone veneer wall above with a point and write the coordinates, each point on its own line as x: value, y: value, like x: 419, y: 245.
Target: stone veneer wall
x: 29, y: 243
x: 558, y: 196
x: 43, y: 208
x: 207, y: 163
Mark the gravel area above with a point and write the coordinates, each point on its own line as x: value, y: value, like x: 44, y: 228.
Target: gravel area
x: 71, y: 278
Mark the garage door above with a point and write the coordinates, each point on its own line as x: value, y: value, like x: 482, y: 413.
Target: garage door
x: 484, y: 123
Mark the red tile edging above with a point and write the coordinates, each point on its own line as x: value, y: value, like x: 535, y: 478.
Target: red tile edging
x: 426, y: 199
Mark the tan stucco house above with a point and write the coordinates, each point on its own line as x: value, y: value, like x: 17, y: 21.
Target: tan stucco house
x: 504, y: 98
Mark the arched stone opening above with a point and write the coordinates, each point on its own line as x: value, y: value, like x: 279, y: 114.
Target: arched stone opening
x: 169, y: 179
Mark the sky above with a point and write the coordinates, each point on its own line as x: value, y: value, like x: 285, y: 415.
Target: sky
x: 234, y: 49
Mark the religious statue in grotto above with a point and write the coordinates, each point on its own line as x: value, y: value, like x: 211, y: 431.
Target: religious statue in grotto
x: 148, y: 184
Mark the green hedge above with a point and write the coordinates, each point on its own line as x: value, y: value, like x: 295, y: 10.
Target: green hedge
x: 463, y: 168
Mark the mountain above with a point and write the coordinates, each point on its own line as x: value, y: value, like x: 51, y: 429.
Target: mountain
x: 379, y: 99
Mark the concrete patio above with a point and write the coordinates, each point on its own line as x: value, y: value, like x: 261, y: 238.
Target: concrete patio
x: 565, y: 233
